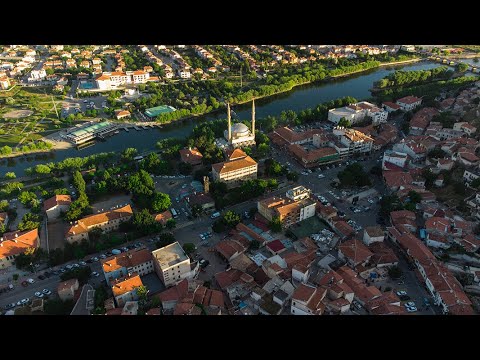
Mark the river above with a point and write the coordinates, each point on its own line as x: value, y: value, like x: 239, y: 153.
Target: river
x: 303, y: 97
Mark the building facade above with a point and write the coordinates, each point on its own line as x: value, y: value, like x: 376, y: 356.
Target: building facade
x: 172, y: 265
x: 138, y: 261
x: 238, y: 168
x: 15, y: 243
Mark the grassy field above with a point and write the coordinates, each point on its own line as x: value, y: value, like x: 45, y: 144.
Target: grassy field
x: 43, y: 121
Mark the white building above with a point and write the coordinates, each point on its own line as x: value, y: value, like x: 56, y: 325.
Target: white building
x: 356, y: 141
x: 307, y: 300
x: 373, y: 234
x: 350, y: 113
x: 37, y: 75
x: 57, y: 204
x: 112, y: 80
x: 172, y: 265
x: 395, y: 158
x: 184, y: 74
x: 408, y: 103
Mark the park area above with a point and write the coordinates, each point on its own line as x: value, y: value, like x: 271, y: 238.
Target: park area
x: 27, y: 114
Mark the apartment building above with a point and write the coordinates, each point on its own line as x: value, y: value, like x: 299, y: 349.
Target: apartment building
x: 138, y: 261
x: 295, y: 207
x: 357, y: 112
x: 239, y: 167
x: 125, y: 289
x: 112, y: 80
x: 356, y: 141
x: 106, y: 221
x: 307, y: 300
x: 172, y: 265
x: 408, y: 103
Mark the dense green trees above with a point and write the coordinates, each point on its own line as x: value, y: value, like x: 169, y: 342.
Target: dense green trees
x: 10, y: 175
x: 161, y: 202
x: 29, y: 221
x: 402, y: 77
x: 78, y: 208
x: 354, y: 175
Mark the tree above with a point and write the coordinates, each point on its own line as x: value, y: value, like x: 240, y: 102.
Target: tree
x: 292, y: 176
x: 429, y: 176
x: 142, y: 292
x: 462, y: 67
x: 29, y: 221
x: 10, y: 175
x: 128, y: 154
x: 231, y: 218
x: 388, y: 204
x: 42, y: 169
x: 170, y: 224
x: 275, y: 225
x: 4, y: 205
x: 189, y: 248
x: 344, y: 123
x: 82, y: 274
x: 376, y: 170
x: 79, y: 182
x: 145, y: 222
x: 161, y: 202
x: 263, y: 150
x: 185, y: 168
x: 414, y: 197
x: 437, y: 153
x: 353, y: 175
x: 475, y: 183
x: 197, y: 210
x: 395, y: 272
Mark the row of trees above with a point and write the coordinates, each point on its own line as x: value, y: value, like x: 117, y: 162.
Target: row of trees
x: 354, y: 175
x: 402, y: 77
x: 69, y: 164
x: 81, y: 206
x: 30, y: 147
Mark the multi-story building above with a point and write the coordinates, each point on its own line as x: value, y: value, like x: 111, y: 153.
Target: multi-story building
x: 311, y: 157
x: 139, y: 261
x: 57, y: 204
x: 37, y: 75
x: 354, y: 140
x: 172, y: 265
x: 112, y: 80
x: 239, y: 167
x: 125, y: 288
x: 357, y: 112
x: 408, y: 103
x: 106, y: 221
x: 297, y: 206
x: 4, y: 82
x: 15, y: 243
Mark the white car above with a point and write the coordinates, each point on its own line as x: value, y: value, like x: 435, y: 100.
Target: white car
x: 39, y: 294
x: 401, y: 293
x: 96, y: 274
x: 411, y: 309
x: 25, y: 301
x: 31, y: 281
x: 69, y: 267
x: 46, y: 292
x: 321, y: 176
x: 83, y: 263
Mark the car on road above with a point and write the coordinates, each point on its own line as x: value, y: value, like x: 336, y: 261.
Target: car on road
x: 204, y: 263
x: 410, y: 303
x: 370, y: 201
x: 76, y: 266
x: 411, y: 309
x: 69, y: 267
x: 401, y: 293
x: 103, y: 256
x: 25, y: 301
x: 10, y: 306
x: 321, y: 176
x: 125, y: 248
x: 39, y: 294
x: 96, y: 274
x: 85, y: 101
x: 95, y: 258
x: 31, y: 281
x: 83, y: 263
x: 46, y: 292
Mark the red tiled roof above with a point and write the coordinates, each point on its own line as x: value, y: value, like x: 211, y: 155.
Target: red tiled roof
x: 276, y: 246
x: 409, y: 100
x: 191, y: 156
x: 15, y: 245
x: 163, y: 217
x: 56, y: 200
x: 355, y: 251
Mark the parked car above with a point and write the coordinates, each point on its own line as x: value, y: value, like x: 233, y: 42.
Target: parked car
x: 96, y: 274
x: 401, y: 293
x: 411, y: 309
x: 83, y: 263
x: 410, y: 303
x: 46, y: 292
x: 204, y: 263
x: 39, y: 294
x: 10, y: 306
x: 31, y: 281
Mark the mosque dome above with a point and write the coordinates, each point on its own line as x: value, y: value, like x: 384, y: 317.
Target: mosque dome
x: 239, y: 129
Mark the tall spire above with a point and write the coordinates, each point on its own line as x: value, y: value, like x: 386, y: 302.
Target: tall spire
x: 253, y: 117
x: 229, y: 123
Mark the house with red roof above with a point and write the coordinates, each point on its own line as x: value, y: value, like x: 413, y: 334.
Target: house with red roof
x: 408, y: 103
x: 354, y: 252
x: 307, y: 300
x: 56, y: 205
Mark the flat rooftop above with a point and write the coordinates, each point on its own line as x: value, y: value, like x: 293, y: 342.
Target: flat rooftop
x: 89, y: 129
x: 170, y: 255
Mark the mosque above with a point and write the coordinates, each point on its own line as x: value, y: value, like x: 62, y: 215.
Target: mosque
x: 239, y: 135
